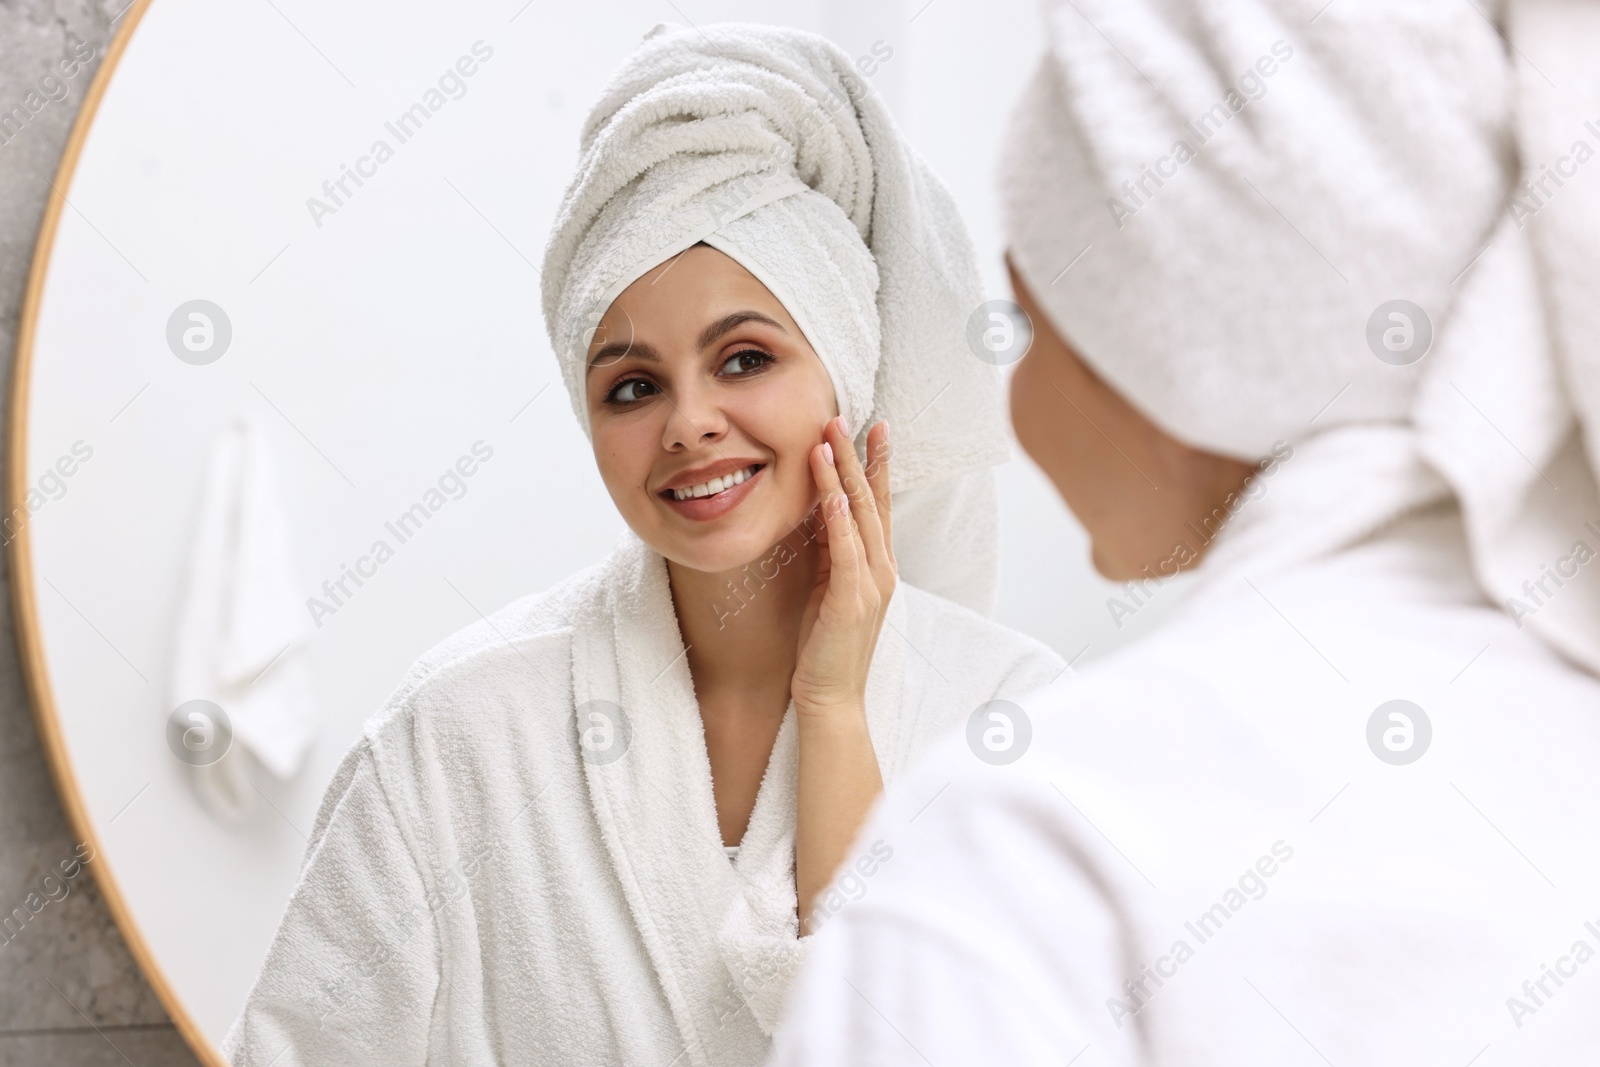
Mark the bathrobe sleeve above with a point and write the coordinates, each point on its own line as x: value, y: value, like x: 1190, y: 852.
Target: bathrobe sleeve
x: 930, y: 965
x: 353, y: 970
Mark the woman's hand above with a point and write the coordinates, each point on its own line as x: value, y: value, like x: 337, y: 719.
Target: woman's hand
x: 838, y: 774
x: 855, y: 577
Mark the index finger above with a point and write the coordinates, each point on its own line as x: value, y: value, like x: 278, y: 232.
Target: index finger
x: 863, y: 501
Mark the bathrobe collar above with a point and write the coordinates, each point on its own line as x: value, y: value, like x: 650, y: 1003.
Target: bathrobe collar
x: 721, y: 936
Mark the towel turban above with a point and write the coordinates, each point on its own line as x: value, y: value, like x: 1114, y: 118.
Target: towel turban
x: 765, y: 143
x: 1253, y: 192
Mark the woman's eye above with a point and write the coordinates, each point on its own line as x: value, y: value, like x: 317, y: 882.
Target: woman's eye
x: 630, y: 391
x: 745, y: 362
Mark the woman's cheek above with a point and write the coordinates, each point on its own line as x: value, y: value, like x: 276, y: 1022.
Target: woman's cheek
x: 788, y: 418
x: 623, y: 467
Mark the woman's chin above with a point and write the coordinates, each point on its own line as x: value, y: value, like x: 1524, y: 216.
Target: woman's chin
x: 716, y: 552
x: 739, y: 538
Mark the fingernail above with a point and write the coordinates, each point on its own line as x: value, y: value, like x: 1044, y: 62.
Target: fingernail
x: 841, y: 505
x: 827, y: 453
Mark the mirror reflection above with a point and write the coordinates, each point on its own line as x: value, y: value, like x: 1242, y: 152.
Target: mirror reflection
x: 803, y: 535
x: 302, y: 322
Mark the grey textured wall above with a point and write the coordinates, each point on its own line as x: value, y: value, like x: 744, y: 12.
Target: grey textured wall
x: 70, y: 994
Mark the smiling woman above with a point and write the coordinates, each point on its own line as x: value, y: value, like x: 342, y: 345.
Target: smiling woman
x: 597, y: 825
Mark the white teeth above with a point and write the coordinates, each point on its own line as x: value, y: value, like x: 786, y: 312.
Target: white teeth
x: 714, y: 486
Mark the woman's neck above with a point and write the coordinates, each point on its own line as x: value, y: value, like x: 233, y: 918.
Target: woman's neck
x: 742, y: 627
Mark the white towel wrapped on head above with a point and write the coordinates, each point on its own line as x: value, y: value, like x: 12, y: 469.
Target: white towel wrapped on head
x: 1249, y: 190
x: 762, y: 142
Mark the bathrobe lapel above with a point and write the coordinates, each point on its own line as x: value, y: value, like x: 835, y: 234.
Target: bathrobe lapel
x: 721, y: 936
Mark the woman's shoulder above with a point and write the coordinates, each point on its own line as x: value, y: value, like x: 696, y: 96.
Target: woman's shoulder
x: 482, y: 699
x: 524, y: 645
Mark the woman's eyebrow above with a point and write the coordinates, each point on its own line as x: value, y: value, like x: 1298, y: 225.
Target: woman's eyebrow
x: 617, y: 349
x: 731, y: 321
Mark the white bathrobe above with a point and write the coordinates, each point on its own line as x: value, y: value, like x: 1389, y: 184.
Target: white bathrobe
x: 482, y: 888
x: 1397, y: 910
x: 1209, y: 855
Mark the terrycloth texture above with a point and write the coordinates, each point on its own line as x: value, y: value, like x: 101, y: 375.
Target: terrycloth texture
x: 1200, y: 862
x: 947, y: 537
x: 241, y: 634
x: 764, y: 142
x: 1247, y: 188
x: 476, y: 891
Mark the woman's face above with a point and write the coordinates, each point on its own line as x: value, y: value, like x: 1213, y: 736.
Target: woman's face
x: 705, y: 401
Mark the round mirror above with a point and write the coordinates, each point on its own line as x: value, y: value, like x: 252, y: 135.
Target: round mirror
x: 285, y: 414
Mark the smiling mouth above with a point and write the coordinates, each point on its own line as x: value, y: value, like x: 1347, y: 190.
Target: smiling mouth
x: 713, y: 486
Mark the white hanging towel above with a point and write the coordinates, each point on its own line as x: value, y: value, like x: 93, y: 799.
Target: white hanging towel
x: 241, y: 636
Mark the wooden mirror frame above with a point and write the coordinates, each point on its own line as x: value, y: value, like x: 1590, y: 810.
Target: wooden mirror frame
x: 19, y: 556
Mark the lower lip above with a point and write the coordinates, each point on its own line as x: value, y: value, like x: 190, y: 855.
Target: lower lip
x: 707, y: 508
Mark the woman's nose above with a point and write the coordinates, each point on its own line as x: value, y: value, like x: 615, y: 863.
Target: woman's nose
x: 694, y: 417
